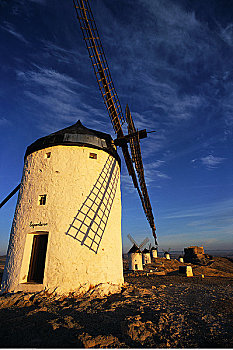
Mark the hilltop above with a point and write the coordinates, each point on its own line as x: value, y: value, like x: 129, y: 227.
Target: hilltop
x: 156, y: 308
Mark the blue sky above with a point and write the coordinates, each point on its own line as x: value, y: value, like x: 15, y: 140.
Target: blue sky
x: 171, y: 61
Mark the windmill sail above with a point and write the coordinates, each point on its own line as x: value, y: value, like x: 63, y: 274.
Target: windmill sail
x: 132, y: 240
x: 137, y: 159
x: 112, y: 103
x: 146, y: 240
x: 99, y: 63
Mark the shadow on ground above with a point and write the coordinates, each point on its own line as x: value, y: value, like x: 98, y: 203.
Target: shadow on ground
x: 161, y: 311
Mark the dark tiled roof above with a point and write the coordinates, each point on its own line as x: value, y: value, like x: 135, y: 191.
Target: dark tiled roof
x: 145, y: 251
x: 134, y: 249
x: 76, y: 135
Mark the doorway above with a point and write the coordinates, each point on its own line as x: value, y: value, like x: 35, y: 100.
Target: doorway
x: 37, y: 261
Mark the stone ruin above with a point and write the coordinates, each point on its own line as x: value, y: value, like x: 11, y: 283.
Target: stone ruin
x: 196, y: 255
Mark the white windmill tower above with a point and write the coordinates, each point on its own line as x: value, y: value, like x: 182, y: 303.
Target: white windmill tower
x: 154, y: 252
x: 146, y: 257
x: 135, y: 256
x: 66, y: 230
x: 167, y: 254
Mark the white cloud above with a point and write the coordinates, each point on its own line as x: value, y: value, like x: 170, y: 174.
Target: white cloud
x: 227, y: 34
x: 8, y: 27
x: 221, y: 209
x: 61, y: 100
x: 212, y: 162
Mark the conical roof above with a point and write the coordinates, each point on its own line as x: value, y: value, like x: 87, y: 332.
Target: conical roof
x: 134, y: 249
x: 76, y: 135
x: 145, y: 251
x: 153, y: 248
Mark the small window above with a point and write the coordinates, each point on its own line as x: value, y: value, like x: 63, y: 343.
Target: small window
x: 42, y: 199
x: 93, y: 155
x: 48, y: 155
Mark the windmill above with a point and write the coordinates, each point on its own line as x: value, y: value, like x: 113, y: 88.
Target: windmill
x: 139, y: 246
x: 166, y: 253
x: 153, y: 252
x: 135, y: 255
x: 136, y: 249
x: 35, y: 231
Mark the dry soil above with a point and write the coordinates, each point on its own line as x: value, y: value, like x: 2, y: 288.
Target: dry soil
x: 157, y: 309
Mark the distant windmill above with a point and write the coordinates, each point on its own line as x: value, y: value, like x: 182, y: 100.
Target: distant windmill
x: 139, y: 246
x: 166, y: 253
x: 153, y: 252
x: 68, y: 216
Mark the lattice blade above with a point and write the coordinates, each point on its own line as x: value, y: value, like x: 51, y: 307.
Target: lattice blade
x: 91, y: 220
x: 132, y: 240
x: 146, y: 240
x: 137, y: 159
x: 132, y: 173
x: 99, y: 63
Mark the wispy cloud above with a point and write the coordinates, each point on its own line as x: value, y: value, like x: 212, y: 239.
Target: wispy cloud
x: 227, y: 34
x: 210, y: 162
x: 61, y: 98
x: 152, y: 173
x: 210, y: 224
x: 173, y: 67
x: 49, y: 79
x: 63, y: 54
x: 153, y: 176
x: 8, y: 27
x: 220, y: 209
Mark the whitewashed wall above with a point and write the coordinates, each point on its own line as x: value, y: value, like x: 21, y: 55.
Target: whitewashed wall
x: 135, y: 259
x: 67, y: 178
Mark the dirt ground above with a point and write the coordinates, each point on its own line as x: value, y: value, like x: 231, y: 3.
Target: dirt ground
x: 156, y: 309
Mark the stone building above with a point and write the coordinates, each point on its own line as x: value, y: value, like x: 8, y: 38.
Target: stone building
x: 196, y: 255
x: 66, y: 231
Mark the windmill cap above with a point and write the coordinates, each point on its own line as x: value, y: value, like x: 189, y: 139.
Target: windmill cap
x: 153, y: 248
x: 76, y: 135
x: 145, y: 251
x: 134, y: 249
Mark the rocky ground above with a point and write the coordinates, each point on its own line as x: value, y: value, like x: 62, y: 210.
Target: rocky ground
x: 156, y: 308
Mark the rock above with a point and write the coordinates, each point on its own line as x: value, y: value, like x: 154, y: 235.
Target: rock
x: 160, y: 273
x: 103, y: 289
x: 101, y: 341
x: 81, y: 290
x: 137, y: 330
